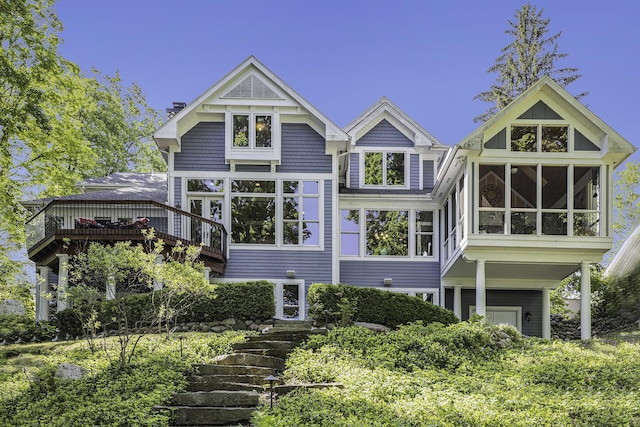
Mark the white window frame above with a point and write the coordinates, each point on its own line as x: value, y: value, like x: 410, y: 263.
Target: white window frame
x: 504, y: 308
x: 539, y: 126
x: 407, y: 177
x: 252, y: 154
x: 412, y: 292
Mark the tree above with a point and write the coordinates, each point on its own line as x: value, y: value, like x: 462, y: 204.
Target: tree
x: 530, y: 56
x: 627, y: 201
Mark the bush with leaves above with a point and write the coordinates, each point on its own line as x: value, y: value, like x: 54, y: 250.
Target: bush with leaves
x: 340, y: 303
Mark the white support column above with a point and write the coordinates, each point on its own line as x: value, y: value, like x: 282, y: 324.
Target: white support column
x: 481, y: 293
x: 63, y: 281
x: 157, y: 284
x: 42, y: 290
x: 207, y: 273
x: 546, y: 313
x: 111, y: 287
x: 585, y: 300
x: 457, y: 301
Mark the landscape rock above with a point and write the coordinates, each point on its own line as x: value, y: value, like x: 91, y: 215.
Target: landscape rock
x: 12, y: 307
x: 372, y: 326
x: 69, y: 371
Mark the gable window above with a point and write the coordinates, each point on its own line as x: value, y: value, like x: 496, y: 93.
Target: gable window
x: 252, y: 131
x: 544, y: 138
x: 384, y: 168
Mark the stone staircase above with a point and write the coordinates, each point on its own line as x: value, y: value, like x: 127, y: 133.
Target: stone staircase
x: 228, y: 391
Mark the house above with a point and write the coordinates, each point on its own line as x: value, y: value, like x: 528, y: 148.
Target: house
x: 275, y: 190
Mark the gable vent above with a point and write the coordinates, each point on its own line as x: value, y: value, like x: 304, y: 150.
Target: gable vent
x: 252, y: 87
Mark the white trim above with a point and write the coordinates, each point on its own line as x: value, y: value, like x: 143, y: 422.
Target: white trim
x: 500, y: 308
x: 435, y: 292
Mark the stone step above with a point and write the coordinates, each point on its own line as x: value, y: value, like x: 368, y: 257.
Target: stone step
x: 224, y: 398
x: 250, y: 359
x: 203, y: 385
x: 300, y: 323
x: 282, y: 354
x: 231, y: 378
x: 234, y: 370
x: 292, y: 336
x: 208, y: 416
x: 273, y: 344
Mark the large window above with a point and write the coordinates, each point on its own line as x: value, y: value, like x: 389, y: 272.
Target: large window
x: 252, y: 131
x: 539, y: 199
x: 384, y: 169
x: 401, y: 233
x: 253, y: 212
x: 301, y: 213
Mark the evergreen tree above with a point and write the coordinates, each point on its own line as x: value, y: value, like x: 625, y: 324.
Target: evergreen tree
x: 530, y: 56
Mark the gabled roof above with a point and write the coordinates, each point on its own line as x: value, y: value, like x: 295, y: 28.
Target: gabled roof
x: 627, y: 259
x: 385, y: 109
x: 615, y: 143
x: 170, y: 132
x: 124, y: 179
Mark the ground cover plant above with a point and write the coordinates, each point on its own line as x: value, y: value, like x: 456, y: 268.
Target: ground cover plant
x: 465, y: 374
x: 30, y: 394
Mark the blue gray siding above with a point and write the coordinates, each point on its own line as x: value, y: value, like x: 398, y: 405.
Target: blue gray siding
x: 405, y: 274
x: 312, y: 266
x: 202, y: 149
x: 414, y: 172
x: 303, y: 150
x: 354, y: 170
x: 529, y: 300
x: 253, y: 168
x: 427, y: 175
x: 384, y: 134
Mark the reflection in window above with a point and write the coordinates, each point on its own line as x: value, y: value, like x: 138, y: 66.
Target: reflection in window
x: 253, y: 212
x: 301, y: 213
x: 205, y: 185
x: 240, y: 130
x: 555, y: 139
x: 524, y: 138
x: 387, y: 233
x: 252, y: 131
x: 263, y: 131
x: 350, y: 232
x: 586, y: 201
x: 384, y: 168
x: 424, y: 233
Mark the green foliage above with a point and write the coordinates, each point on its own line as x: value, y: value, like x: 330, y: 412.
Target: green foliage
x: 30, y: 395
x: 530, y: 56
x: 246, y: 300
x: 20, y: 291
x: 493, y: 378
x: 243, y: 301
x: 327, y: 303
x: 25, y: 329
x: 626, y: 201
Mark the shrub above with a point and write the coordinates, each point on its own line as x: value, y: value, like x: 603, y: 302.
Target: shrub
x: 327, y: 304
x: 25, y: 329
x: 248, y: 300
x: 245, y: 300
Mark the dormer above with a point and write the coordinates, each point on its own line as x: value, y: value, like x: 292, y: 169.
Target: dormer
x: 390, y: 151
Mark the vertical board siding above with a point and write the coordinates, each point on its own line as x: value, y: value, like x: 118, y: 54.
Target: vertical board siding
x: 303, y: 150
x: 354, y: 170
x: 384, y: 134
x: 405, y: 274
x: 202, y: 149
x: 427, y: 175
x: 414, y: 172
x: 529, y: 300
x: 312, y: 266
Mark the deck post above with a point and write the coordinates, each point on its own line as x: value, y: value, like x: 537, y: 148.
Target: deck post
x: 457, y: 301
x: 585, y: 300
x: 481, y: 293
x: 157, y: 283
x: 546, y: 313
x: 42, y: 290
x: 63, y: 281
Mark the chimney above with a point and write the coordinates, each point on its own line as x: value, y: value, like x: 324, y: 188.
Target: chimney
x: 177, y: 107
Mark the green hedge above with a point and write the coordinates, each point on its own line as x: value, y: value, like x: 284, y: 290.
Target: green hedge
x: 23, y: 328
x: 252, y: 300
x: 328, y: 303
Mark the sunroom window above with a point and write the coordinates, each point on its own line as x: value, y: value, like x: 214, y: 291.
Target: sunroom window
x: 384, y: 169
x: 544, y: 138
x: 252, y: 131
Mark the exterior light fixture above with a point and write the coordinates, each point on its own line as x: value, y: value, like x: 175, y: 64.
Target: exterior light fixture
x: 388, y: 281
x: 527, y: 316
x: 271, y: 379
x: 291, y: 274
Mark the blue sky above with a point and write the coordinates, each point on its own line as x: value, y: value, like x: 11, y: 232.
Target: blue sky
x: 429, y: 57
